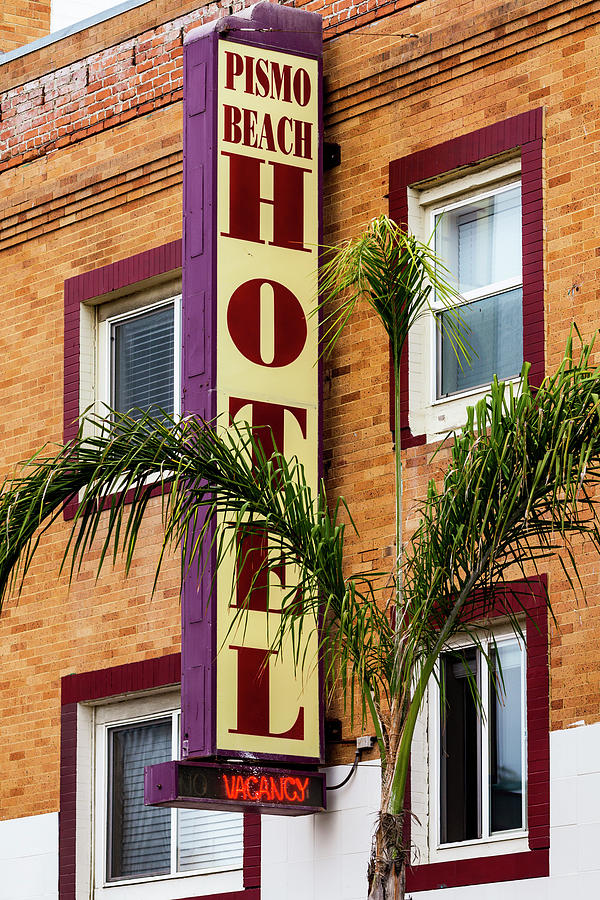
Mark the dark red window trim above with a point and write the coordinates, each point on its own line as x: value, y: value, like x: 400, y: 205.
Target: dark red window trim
x: 130, y: 272
x: 103, y: 684
x: 523, y: 132
x: 533, y: 863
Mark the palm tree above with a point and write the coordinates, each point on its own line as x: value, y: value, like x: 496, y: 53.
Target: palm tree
x: 521, y: 477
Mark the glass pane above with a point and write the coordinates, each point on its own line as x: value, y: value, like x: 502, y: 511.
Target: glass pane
x: 208, y: 841
x: 506, y: 774
x: 139, y: 837
x: 495, y: 338
x: 480, y: 241
x: 460, y: 755
x: 143, y: 362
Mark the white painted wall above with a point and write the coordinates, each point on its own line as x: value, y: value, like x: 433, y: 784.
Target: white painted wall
x: 29, y: 858
x: 325, y: 857
x: 574, y: 828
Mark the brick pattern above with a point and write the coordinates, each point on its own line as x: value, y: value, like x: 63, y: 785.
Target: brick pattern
x: 22, y: 21
x: 105, y: 89
x: 126, y: 80
x: 55, y: 628
x: 472, y: 65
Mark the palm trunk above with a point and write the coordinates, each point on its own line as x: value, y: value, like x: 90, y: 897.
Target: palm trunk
x: 387, y: 866
x: 389, y: 856
x: 398, y: 485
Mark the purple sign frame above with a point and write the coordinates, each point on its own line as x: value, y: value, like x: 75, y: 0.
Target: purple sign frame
x: 283, y: 29
x: 286, y: 792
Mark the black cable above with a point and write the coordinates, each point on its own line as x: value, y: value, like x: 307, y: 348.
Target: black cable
x: 335, y: 787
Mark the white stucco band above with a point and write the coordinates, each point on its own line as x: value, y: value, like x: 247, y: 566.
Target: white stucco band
x: 325, y: 857
x: 29, y: 858
x: 574, y: 828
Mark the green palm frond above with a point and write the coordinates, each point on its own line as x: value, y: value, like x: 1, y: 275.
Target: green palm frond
x: 208, y: 475
x: 398, y: 276
x: 522, y: 480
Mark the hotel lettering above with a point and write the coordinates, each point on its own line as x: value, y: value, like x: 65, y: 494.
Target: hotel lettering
x: 267, y: 373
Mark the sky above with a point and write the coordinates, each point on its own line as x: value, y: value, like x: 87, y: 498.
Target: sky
x: 67, y: 12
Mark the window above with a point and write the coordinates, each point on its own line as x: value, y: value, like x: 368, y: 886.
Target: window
x: 479, y: 240
x: 476, y: 169
x: 482, y: 760
x: 138, y: 355
x: 474, y: 224
x: 480, y: 779
x: 138, y: 847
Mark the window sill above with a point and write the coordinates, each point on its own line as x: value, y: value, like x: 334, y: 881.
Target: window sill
x: 180, y: 886
x: 513, y: 842
x: 171, y: 876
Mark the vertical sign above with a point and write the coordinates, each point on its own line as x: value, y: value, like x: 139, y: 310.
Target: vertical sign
x: 252, y: 179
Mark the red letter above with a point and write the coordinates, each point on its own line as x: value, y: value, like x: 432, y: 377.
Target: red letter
x: 263, y: 790
x: 229, y: 789
x: 240, y: 788
x: 250, y: 119
x: 276, y: 790
x: 303, y: 788
x: 249, y: 74
x: 234, y: 66
x: 301, y: 87
x: 280, y: 77
x: 245, y: 200
x: 267, y: 420
x: 232, y: 133
x: 251, y: 796
x: 267, y: 138
x: 262, y: 77
x: 287, y: 149
x: 244, y: 321
x: 291, y: 797
x: 253, y: 697
x: 302, y: 139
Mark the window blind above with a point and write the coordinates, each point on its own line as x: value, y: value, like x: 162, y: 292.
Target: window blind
x: 143, y: 361
x: 209, y: 841
x: 139, y: 836
x: 140, y: 840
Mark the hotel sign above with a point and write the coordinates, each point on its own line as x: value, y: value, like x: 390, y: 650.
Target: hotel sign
x: 230, y: 787
x: 252, y: 184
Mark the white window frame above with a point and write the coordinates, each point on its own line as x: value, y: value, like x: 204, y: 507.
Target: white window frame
x: 429, y: 414
x: 425, y: 786
x: 94, y: 720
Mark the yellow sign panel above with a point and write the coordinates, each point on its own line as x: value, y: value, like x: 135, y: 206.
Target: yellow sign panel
x: 267, y: 373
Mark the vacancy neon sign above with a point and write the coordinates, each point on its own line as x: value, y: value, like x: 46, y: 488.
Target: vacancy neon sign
x: 229, y: 786
x: 272, y: 789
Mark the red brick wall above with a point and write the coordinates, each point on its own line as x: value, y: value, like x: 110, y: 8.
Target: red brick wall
x: 101, y: 130
x: 22, y: 21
